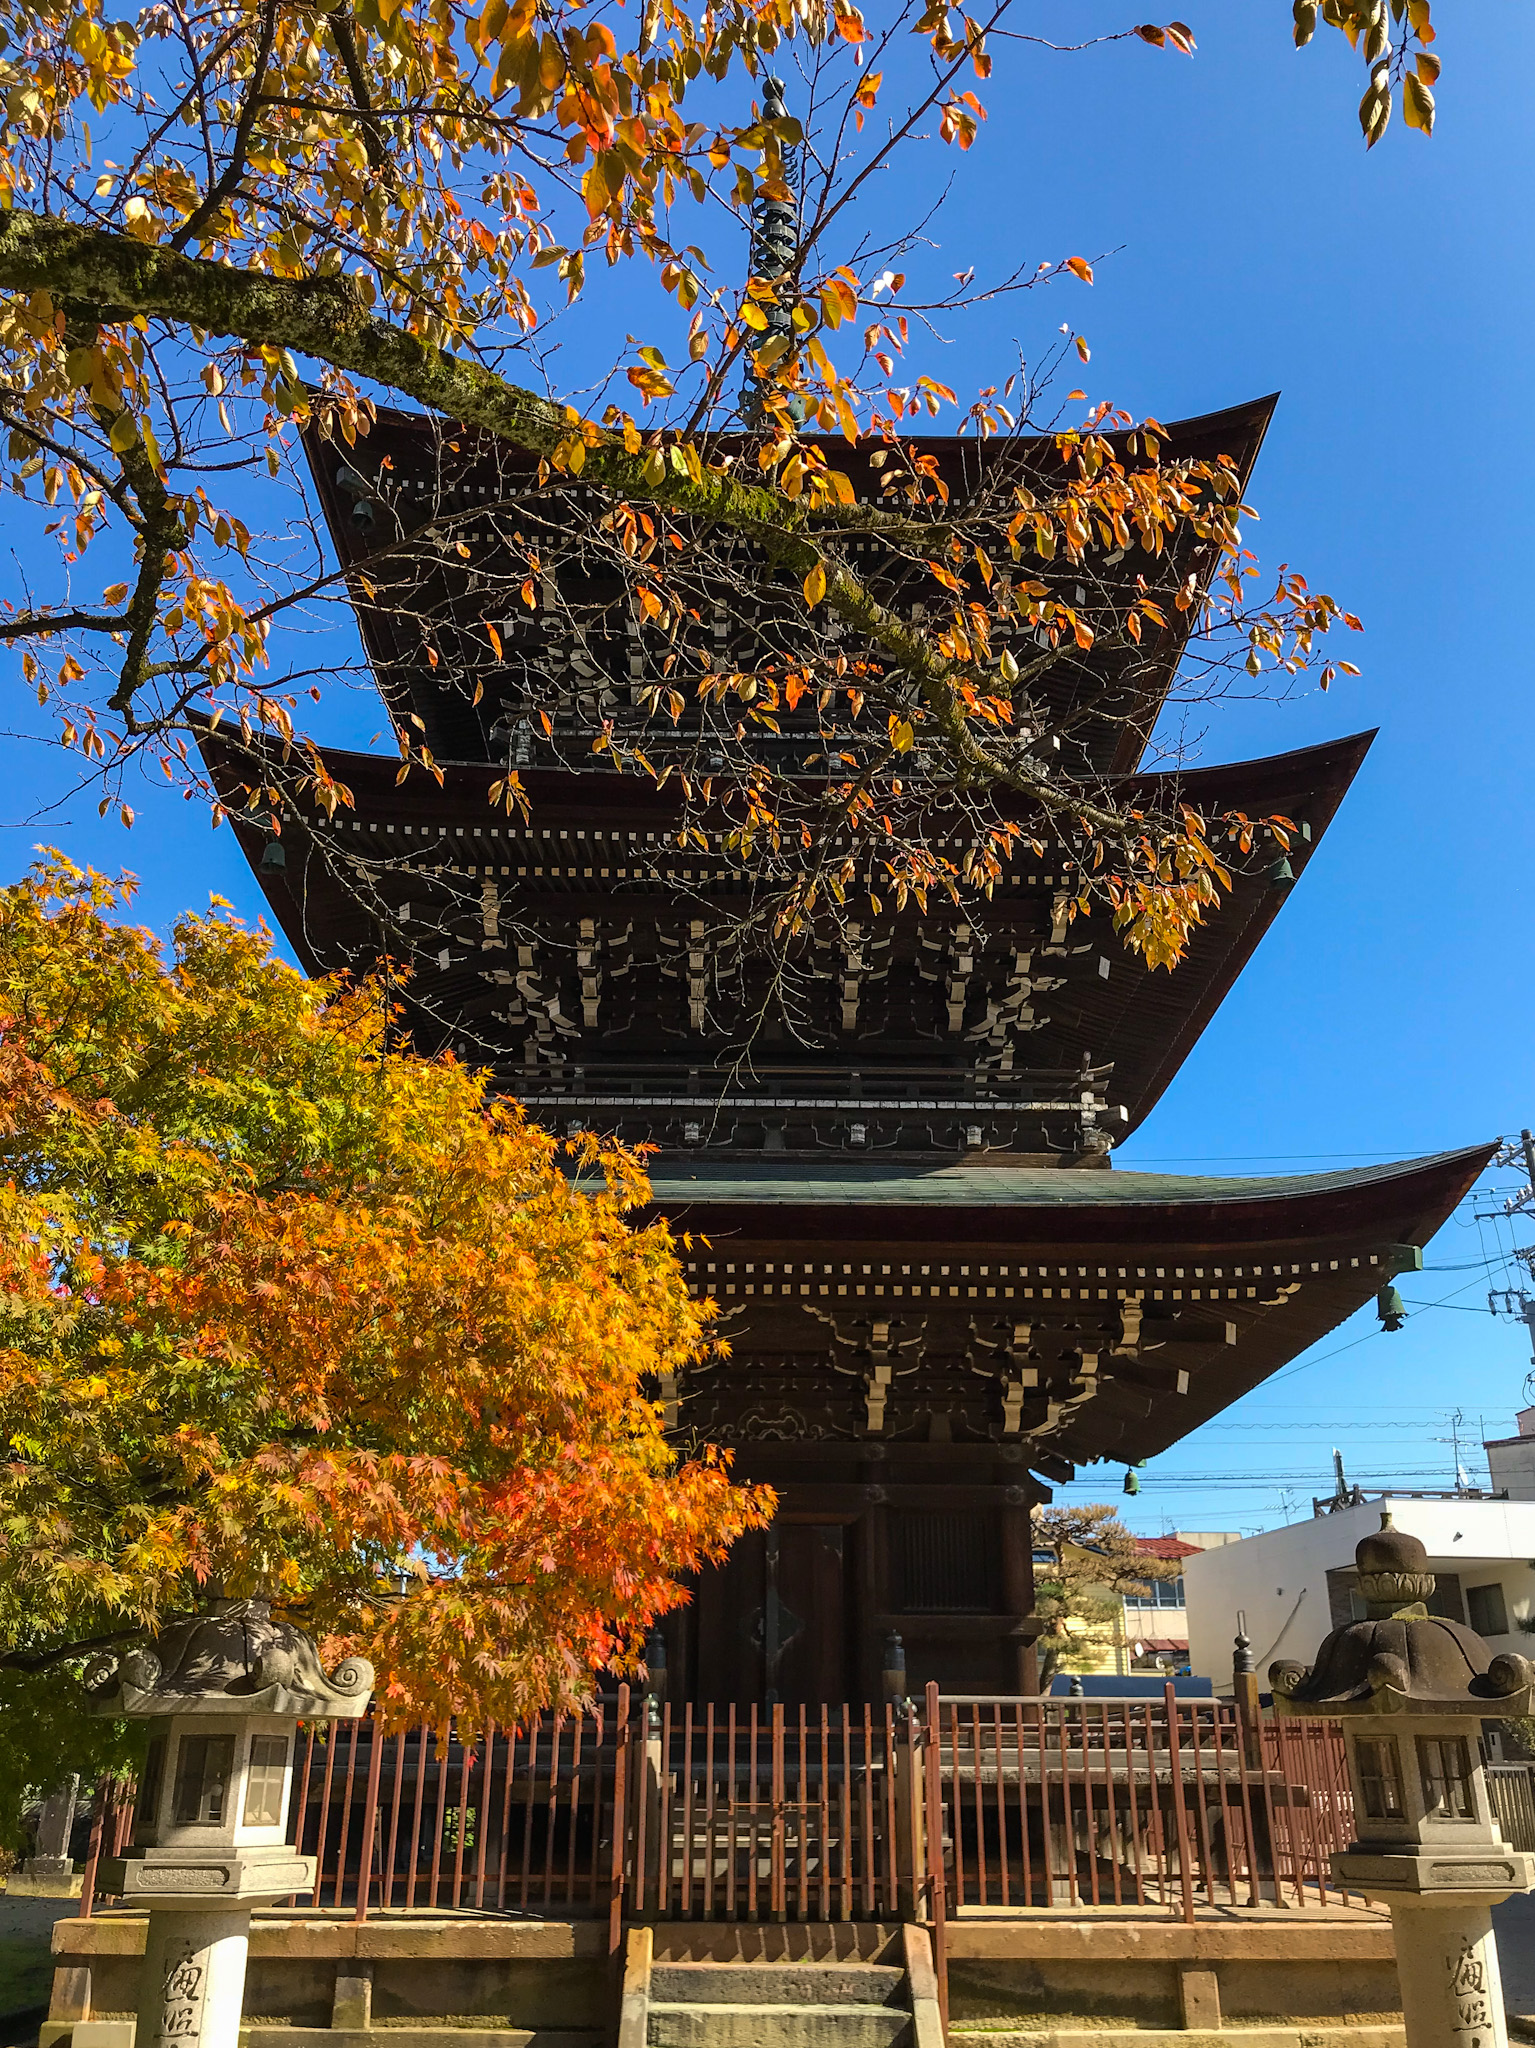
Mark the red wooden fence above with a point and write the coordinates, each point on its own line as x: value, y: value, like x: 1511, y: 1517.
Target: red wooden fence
x: 817, y: 1813
x: 1091, y: 1802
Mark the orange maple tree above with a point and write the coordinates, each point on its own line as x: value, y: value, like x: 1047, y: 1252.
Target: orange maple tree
x: 288, y: 1310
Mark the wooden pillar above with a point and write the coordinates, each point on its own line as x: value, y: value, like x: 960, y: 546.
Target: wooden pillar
x: 866, y: 1585
x: 1018, y: 1582
x: 677, y: 1630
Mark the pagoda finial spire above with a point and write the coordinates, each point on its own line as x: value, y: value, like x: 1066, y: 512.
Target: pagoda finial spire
x: 774, y: 249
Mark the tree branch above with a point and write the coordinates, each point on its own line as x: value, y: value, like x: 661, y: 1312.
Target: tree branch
x: 344, y: 36
x: 191, y: 228
x: 33, y: 1661
x: 324, y: 317
x: 22, y: 625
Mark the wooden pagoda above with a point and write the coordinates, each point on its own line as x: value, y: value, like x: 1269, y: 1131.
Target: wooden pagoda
x: 937, y: 1292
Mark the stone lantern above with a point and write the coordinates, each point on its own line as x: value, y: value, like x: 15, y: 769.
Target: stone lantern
x: 209, y: 1840
x: 1412, y: 1691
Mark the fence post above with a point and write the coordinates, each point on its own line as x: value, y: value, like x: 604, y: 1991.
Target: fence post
x: 1180, y: 1806
x: 1244, y: 1686
x: 99, y: 1796
x: 902, y: 1765
x: 778, y: 1892
x: 370, y: 1820
x: 620, y: 1822
x: 937, y: 1899
x: 657, y: 1763
x: 913, y: 1842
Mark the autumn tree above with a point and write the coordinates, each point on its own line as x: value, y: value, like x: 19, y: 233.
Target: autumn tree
x: 220, y: 229
x: 1093, y: 1562
x: 286, y: 1310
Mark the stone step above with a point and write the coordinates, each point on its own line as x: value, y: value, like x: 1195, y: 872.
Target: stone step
x: 800, y: 1983
x: 673, y: 2025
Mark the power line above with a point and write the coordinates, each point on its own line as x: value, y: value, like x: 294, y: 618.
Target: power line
x: 1305, y: 1364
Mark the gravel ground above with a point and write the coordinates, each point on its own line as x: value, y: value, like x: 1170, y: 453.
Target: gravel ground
x: 26, y: 1964
x: 1514, y: 1924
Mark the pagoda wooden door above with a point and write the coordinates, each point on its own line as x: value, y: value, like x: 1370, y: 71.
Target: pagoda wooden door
x: 771, y: 1622
x: 805, y: 1623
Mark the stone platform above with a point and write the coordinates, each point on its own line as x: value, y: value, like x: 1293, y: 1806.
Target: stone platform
x: 1263, y: 1978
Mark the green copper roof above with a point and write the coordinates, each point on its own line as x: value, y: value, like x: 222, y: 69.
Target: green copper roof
x: 987, y: 1187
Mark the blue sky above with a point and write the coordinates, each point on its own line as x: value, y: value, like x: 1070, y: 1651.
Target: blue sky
x: 1389, y: 298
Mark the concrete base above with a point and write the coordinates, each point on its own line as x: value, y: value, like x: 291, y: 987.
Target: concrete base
x: 120, y: 2034
x: 1233, y: 1970
x: 36, y: 1884
x: 317, y: 1980
x: 422, y: 2037
x: 1150, y: 2037
x: 1266, y: 1978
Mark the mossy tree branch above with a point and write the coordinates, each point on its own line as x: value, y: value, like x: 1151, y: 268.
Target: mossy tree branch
x: 115, y: 277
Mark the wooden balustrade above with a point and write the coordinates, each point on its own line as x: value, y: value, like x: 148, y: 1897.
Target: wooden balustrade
x: 944, y: 1806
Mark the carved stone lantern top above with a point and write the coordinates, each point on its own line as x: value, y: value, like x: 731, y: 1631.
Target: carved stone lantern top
x: 1401, y: 1658
x: 234, y: 1660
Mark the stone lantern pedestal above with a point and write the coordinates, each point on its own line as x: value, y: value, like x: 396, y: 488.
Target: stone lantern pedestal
x: 210, y: 1828
x: 1412, y: 1690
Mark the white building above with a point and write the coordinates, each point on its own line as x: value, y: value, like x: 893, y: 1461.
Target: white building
x: 1511, y: 1459
x: 1297, y: 1583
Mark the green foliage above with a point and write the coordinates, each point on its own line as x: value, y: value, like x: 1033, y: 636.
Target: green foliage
x: 1079, y: 1596
x: 50, y: 1733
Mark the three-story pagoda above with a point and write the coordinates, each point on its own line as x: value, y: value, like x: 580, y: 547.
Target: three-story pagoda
x: 938, y: 1294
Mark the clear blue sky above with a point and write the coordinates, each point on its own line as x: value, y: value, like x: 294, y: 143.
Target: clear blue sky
x: 1389, y: 297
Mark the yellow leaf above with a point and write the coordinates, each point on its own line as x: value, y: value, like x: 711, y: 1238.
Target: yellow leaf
x: 1417, y: 104
x: 815, y: 585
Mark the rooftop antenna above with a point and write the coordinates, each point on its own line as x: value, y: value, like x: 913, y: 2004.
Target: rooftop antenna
x: 1343, y: 1495
x: 774, y: 254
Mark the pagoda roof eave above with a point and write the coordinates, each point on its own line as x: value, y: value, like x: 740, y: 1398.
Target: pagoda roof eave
x: 1146, y: 1023
x: 1234, y: 432
x: 1077, y: 1205
x: 1306, y: 1251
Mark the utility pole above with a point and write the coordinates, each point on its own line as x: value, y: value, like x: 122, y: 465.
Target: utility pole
x: 1517, y: 1303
